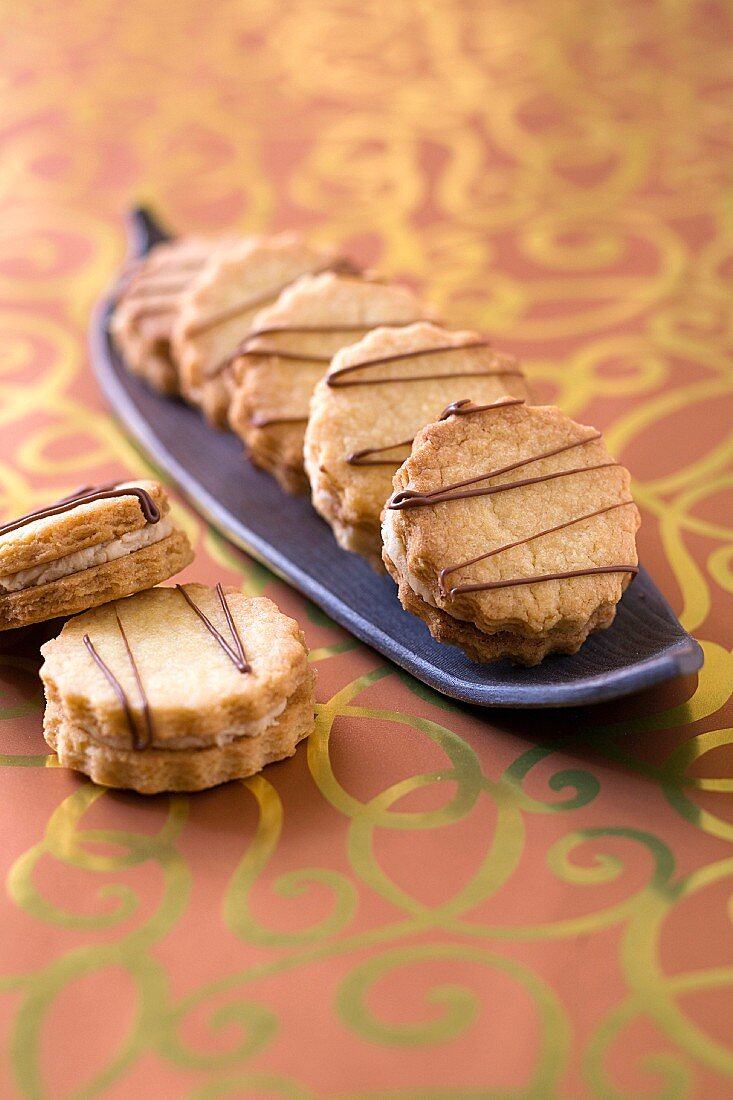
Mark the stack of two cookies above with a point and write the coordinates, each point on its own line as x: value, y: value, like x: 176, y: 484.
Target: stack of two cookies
x: 153, y: 688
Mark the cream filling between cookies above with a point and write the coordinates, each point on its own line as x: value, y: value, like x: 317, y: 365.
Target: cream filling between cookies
x: 241, y: 732
x: 394, y: 548
x: 85, y: 559
x: 225, y: 737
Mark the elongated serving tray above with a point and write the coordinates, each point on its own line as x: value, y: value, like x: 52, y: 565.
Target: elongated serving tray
x: 646, y: 644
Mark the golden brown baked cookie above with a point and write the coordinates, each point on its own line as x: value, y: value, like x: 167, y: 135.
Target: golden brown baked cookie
x: 511, y: 531
x: 290, y: 348
x: 177, y: 689
x: 219, y: 306
x: 364, y: 414
x: 99, y: 544
x: 143, y: 317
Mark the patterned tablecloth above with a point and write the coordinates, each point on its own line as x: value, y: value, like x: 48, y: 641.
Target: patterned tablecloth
x: 427, y: 901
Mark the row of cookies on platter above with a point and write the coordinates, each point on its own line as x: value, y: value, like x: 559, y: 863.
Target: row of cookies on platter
x: 507, y: 527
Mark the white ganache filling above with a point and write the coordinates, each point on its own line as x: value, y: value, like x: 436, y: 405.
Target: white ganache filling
x: 255, y: 728
x: 243, y: 730
x: 397, y: 554
x: 88, y: 558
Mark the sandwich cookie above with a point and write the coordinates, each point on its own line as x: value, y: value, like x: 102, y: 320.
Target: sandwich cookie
x: 98, y: 544
x: 289, y: 349
x: 177, y: 689
x: 143, y: 318
x: 219, y: 306
x: 511, y: 531
x: 377, y: 395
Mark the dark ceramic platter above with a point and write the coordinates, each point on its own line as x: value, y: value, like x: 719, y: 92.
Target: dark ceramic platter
x: 645, y: 646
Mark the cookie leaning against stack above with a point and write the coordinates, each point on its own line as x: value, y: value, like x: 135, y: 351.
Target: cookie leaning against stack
x: 143, y: 318
x: 219, y: 305
x: 289, y: 350
x: 177, y: 689
x: 364, y: 414
x: 99, y: 544
x: 511, y: 531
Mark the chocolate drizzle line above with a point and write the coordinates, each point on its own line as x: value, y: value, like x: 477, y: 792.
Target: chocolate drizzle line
x: 341, y: 266
x: 360, y: 458
x: 235, y: 655
x: 540, y: 577
x: 85, y: 495
x: 138, y: 742
x: 326, y: 330
x: 466, y: 406
x: 258, y: 421
x: 458, y: 408
x: 147, y: 715
x: 332, y: 379
x: 298, y: 357
x: 411, y: 498
x: 456, y: 590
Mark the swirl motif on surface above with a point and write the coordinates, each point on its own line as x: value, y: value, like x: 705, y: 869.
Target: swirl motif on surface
x: 426, y: 903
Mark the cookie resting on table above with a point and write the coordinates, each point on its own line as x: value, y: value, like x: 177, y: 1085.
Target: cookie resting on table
x: 177, y: 689
x: 511, y: 531
x: 376, y: 396
x: 289, y: 350
x: 98, y: 544
x: 219, y: 305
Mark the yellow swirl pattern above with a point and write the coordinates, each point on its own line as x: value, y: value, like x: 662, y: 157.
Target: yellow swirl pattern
x: 426, y: 903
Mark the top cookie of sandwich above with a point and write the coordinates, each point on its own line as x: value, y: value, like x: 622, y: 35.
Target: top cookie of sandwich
x: 376, y: 396
x: 511, y: 531
x: 143, y: 317
x: 220, y: 304
x: 290, y: 348
x: 100, y: 543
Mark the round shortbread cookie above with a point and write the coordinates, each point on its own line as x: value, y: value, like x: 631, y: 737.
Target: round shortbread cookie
x: 377, y: 395
x: 177, y: 689
x: 511, y: 531
x: 219, y: 305
x: 143, y: 317
x: 289, y: 350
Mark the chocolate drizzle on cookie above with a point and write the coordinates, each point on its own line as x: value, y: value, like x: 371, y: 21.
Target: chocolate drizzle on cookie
x: 138, y: 743
x: 458, y: 490
x: 340, y: 266
x: 153, y: 290
x: 363, y: 457
x: 86, y: 495
x: 258, y: 421
x: 236, y: 653
x: 458, y: 589
x: 322, y: 330
x: 246, y: 347
x: 538, y: 578
x: 334, y: 378
x: 293, y: 356
x: 466, y: 406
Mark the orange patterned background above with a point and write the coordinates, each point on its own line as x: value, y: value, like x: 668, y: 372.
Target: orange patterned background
x: 427, y: 902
